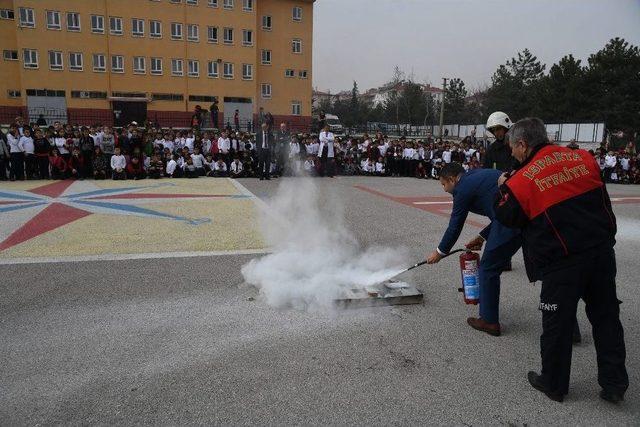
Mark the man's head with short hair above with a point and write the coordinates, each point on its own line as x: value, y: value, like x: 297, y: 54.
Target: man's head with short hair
x: 450, y: 175
x: 525, y: 135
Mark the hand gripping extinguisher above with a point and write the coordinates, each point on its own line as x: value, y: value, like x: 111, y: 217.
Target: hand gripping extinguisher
x: 469, y: 265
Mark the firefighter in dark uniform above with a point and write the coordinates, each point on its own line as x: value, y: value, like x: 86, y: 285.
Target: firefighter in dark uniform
x: 558, y: 200
x: 498, y: 154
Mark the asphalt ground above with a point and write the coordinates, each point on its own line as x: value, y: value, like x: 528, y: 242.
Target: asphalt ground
x: 183, y: 341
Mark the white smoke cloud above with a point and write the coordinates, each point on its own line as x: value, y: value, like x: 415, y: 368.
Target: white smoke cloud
x: 315, y: 257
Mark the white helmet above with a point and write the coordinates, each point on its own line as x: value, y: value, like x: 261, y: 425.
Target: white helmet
x: 498, y: 119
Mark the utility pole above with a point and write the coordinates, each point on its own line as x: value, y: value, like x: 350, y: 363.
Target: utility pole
x: 444, y: 90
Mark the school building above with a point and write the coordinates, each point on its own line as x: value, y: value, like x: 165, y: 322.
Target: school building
x: 115, y: 61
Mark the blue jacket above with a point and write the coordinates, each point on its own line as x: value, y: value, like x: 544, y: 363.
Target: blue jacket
x: 476, y: 192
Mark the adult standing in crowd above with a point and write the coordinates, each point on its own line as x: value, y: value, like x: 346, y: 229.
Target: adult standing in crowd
x: 264, y: 145
x: 4, y: 157
x: 283, y: 139
x: 213, y: 109
x: 553, y: 206
x: 326, y: 152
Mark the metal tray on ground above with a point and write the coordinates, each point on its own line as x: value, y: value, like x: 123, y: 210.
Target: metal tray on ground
x: 387, y: 293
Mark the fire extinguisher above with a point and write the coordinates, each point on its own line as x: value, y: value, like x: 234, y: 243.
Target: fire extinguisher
x: 469, y: 264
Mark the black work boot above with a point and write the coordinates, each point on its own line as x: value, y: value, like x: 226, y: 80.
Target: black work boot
x: 611, y: 396
x: 535, y: 381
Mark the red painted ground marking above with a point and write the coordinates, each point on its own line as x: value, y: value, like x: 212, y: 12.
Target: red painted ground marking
x: 54, y: 189
x: 16, y: 202
x: 156, y: 196
x: 53, y: 216
x: 437, y: 205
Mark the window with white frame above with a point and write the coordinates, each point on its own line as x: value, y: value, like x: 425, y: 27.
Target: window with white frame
x: 137, y: 27
x: 193, y: 32
x: 296, y: 108
x: 75, y: 61
x: 175, y: 1
x: 212, y: 34
x: 99, y: 63
x: 193, y: 68
x: 7, y: 14
x: 296, y: 46
x: 247, y: 5
x: 266, y: 22
x: 247, y: 71
x: 228, y: 36
x: 73, y: 21
x: 176, y: 67
x: 227, y: 70
x: 27, y: 18
x: 247, y: 38
x: 297, y: 13
x: 289, y: 73
x: 176, y: 31
x: 117, y: 64
x: 53, y: 20
x: 139, y: 65
x: 212, y: 69
x: 115, y: 25
x: 302, y: 74
x: 212, y: 3
x: 155, y: 29
x: 156, y: 66
x: 10, y: 55
x: 55, y: 60
x: 265, y: 57
x: 228, y: 4
x: 192, y: 2
x: 265, y: 89
x: 13, y: 93
x: 97, y: 24
x: 30, y: 58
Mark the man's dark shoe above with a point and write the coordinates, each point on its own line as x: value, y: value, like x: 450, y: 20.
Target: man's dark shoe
x: 611, y: 396
x: 480, y: 325
x: 534, y: 380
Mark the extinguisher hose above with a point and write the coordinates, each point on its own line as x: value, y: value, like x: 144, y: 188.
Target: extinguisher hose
x: 424, y: 262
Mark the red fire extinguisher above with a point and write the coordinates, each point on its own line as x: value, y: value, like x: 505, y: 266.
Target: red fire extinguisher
x: 469, y: 265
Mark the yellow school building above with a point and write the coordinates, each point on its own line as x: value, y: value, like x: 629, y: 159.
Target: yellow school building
x: 114, y: 61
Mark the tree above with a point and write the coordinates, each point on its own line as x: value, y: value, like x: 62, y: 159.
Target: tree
x: 454, y: 101
x: 562, y: 93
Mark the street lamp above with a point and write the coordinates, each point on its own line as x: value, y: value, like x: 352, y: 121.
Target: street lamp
x: 444, y: 90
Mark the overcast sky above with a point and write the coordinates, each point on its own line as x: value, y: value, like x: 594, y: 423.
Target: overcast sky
x: 363, y: 40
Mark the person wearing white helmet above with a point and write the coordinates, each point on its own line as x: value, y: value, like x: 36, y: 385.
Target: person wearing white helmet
x: 498, y: 155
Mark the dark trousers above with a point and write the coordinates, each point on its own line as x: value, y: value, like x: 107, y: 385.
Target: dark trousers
x: 327, y: 166
x: 30, y: 165
x: 592, y: 278
x: 264, y: 163
x: 4, y: 163
x: 43, y: 167
x: 17, y: 166
x: 88, y: 163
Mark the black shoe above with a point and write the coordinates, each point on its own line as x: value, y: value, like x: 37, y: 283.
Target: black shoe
x: 534, y: 380
x: 611, y: 396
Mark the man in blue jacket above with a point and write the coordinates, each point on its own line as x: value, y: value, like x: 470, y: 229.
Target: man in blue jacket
x: 475, y: 191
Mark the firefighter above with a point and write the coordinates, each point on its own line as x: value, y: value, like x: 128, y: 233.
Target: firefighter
x: 475, y: 191
x: 498, y: 154
x: 556, y: 197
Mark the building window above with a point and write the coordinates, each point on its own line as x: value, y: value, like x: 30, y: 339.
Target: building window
x: 193, y: 68
x: 55, y: 60
x: 227, y: 70
x: 193, y: 33
x: 139, y: 65
x: 247, y: 38
x: 155, y: 29
x: 115, y: 25
x: 167, y: 96
x: 156, y: 66
x: 75, y: 61
x: 13, y: 93
x: 10, y: 55
x: 296, y: 108
x: 176, y: 1
x: 73, y: 21
x: 266, y: 57
x: 265, y: 89
x: 117, y: 64
x: 85, y: 94
x: 212, y: 69
x: 228, y: 35
x: 296, y: 46
x: 212, y: 34
x: 7, y: 14
x: 176, y: 67
x: 266, y: 22
x: 137, y: 27
x: 176, y: 31
x: 97, y: 24
x: 27, y: 18
x: 289, y: 72
x: 53, y: 20
x: 30, y: 58
x: 247, y: 71
x: 297, y: 13
x: 99, y: 63
x: 192, y: 2
x: 302, y: 74
x: 212, y: 3
x: 228, y: 4
x: 247, y: 5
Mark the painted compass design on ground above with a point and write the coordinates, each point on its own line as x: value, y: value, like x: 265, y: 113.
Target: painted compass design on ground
x: 61, y: 205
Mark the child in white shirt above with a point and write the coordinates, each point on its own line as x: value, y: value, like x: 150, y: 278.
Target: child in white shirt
x: 118, y: 164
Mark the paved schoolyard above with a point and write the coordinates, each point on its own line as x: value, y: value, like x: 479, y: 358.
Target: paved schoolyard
x: 167, y: 333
